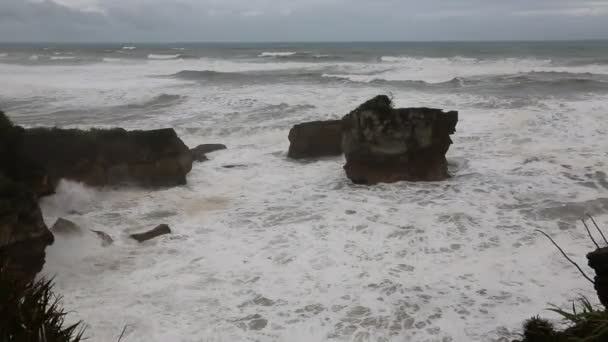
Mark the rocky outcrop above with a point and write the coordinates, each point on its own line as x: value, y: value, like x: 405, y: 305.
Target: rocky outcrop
x: 149, y: 235
x: 315, y: 139
x: 383, y: 144
x: 156, y: 158
x: 199, y: 153
x: 23, y: 233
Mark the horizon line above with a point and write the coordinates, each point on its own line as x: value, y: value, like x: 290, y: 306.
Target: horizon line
x: 311, y: 41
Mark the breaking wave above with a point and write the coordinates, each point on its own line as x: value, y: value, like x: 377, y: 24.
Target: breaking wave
x: 153, y: 56
x: 277, y: 54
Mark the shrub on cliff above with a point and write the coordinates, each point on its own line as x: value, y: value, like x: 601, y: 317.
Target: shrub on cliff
x: 31, y: 312
x: 585, y: 323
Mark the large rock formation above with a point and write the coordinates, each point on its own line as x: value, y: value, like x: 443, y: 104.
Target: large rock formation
x: 23, y: 234
x: 155, y: 158
x: 384, y: 145
x: 315, y: 139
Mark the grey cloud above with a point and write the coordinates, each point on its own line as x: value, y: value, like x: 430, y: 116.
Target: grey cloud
x: 288, y: 20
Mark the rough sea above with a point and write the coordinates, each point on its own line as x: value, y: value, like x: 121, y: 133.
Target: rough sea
x: 279, y: 250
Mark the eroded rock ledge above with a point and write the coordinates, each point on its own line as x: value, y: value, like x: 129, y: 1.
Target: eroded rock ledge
x: 156, y: 158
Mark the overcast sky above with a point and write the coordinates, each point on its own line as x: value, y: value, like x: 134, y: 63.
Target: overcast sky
x: 300, y: 20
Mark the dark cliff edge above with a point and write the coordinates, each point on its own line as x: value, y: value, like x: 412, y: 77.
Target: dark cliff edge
x: 33, y: 161
x: 23, y: 233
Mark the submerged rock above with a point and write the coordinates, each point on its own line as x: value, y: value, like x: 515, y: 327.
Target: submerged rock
x: 384, y: 145
x: 155, y: 158
x: 23, y: 233
x: 234, y: 166
x: 156, y: 232
x: 106, y: 239
x: 315, y: 139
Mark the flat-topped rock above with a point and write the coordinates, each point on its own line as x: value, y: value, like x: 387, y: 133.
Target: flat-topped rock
x: 315, y: 139
x: 99, y: 157
x: 384, y: 145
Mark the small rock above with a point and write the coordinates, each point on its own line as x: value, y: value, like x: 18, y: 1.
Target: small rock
x: 234, y: 166
x: 66, y: 228
x: 156, y: 232
x: 199, y: 153
x: 263, y: 301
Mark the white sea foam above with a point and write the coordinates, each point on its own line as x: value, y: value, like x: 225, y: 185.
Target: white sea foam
x: 277, y: 54
x: 112, y: 60
x: 129, y: 47
x: 153, y: 56
x: 62, y: 58
x: 296, y: 243
x: 438, y: 70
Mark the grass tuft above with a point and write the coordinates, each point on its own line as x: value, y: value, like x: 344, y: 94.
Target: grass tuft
x: 31, y: 312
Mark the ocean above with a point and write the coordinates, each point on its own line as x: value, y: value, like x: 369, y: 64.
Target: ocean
x: 280, y: 250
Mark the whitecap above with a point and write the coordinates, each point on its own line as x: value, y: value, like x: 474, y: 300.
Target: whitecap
x: 61, y: 58
x: 153, y: 56
x: 129, y: 47
x: 276, y: 54
x: 111, y: 60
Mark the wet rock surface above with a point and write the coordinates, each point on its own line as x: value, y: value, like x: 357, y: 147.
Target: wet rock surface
x: 66, y: 228
x: 199, y: 153
x: 162, y: 229
x: 315, y: 139
x: 384, y: 145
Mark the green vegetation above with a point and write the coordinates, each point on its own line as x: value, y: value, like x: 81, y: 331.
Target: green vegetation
x: 31, y: 312
x: 586, y: 323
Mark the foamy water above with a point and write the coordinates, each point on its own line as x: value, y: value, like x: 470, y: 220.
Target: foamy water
x: 279, y: 250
